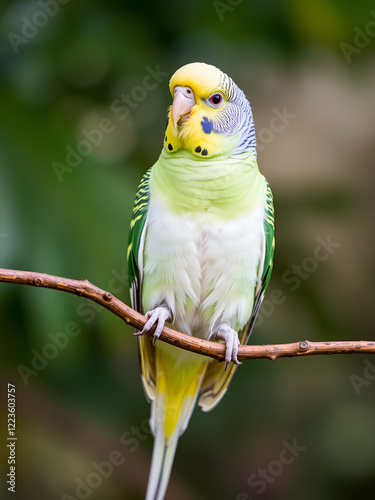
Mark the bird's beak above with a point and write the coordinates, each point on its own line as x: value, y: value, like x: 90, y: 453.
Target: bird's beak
x: 183, y: 101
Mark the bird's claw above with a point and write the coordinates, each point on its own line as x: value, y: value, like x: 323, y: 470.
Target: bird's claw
x: 230, y: 337
x: 159, y: 315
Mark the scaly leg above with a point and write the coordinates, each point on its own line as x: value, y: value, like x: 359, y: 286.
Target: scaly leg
x: 230, y: 337
x: 159, y: 315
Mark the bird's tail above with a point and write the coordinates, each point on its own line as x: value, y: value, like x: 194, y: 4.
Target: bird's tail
x: 178, y: 383
x: 161, y: 466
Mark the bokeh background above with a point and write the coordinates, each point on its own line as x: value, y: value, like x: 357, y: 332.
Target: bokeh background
x: 64, y: 72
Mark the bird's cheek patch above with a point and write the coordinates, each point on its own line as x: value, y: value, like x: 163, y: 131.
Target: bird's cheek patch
x: 207, y: 125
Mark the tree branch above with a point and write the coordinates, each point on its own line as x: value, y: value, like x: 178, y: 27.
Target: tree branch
x: 212, y: 349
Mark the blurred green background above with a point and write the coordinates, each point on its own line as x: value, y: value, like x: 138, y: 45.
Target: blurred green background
x: 64, y: 69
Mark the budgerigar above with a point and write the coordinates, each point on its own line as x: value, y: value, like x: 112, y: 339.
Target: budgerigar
x: 200, y: 252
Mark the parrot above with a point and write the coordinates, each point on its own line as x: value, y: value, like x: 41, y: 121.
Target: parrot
x: 200, y: 252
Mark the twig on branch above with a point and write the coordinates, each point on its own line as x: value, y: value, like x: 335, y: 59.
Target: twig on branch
x: 213, y: 349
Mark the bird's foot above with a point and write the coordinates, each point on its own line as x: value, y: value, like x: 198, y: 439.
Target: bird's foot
x: 230, y: 337
x: 159, y: 315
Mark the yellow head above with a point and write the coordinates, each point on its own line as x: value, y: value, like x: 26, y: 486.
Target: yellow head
x: 210, y: 115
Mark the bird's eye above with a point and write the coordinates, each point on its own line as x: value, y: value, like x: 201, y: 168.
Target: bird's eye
x: 215, y: 100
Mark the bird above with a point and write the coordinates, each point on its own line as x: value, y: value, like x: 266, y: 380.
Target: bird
x: 200, y: 252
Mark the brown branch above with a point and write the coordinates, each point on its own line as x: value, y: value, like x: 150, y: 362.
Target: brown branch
x: 213, y: 349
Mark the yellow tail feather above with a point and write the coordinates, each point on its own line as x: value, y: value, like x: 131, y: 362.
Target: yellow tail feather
x: 178, y: 381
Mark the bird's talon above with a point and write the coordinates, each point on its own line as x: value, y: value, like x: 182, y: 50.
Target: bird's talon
x: 230, y: 337
x: 156, y: 317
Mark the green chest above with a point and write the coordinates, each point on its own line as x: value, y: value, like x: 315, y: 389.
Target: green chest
x: 223, y: 188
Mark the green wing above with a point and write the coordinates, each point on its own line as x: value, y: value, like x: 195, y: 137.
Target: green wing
x: 269, y: 241
x: 137, y: 225
x: 135, y: 271
x: 269, y: 232
x: 216, y: 380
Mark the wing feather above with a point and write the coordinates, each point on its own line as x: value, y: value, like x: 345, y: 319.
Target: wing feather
x: 137, y: 231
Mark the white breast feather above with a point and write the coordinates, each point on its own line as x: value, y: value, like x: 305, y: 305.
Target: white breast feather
x: 205, y: 271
